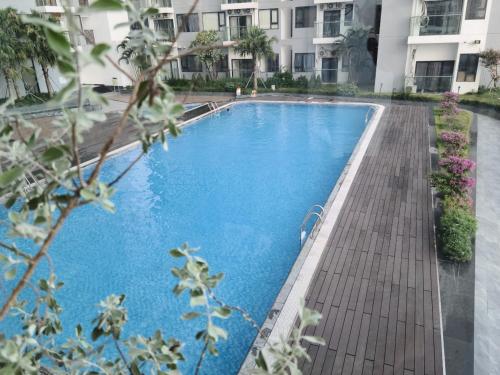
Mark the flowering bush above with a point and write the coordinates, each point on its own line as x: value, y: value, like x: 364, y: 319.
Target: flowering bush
x: 453, y: 180
x: 449, y: 103
x: 454, y: 142
x: 457, y: 165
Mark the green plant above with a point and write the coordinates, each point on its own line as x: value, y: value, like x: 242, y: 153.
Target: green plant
x: 490, y: 59
x: 257, y: 44
x: 38, y: 211
x: 354, y: 47
x: 208, y: 47
x: 457, y: 229
x: 347, y: 89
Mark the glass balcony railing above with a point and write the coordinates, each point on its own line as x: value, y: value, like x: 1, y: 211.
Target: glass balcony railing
x: 327, y: 29
x: 46, y: 3
x: 429, y: 83
x: 238, y: 1
x: 234, y: 32
x: 160, y: 3
x: 446, y: 24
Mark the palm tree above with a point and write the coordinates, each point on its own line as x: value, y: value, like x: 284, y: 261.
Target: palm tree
x: 40, y: 50
x: 354, y: 47
x: 256, y: 44
x: 13, y: 47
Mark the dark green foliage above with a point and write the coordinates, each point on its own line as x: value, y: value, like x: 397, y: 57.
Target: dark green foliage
x: 457, y: 229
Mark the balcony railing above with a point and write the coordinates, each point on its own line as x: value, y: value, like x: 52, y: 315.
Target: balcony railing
x: 446, y: 24
x: 46, y: 3
x: 327, y: 29
x: 238, y: 1
x: 160, y: 3
x: 234, y: 32
x: 429, y: 83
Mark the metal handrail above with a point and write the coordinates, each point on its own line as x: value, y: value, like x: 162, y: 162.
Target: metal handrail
x: 309, y: 215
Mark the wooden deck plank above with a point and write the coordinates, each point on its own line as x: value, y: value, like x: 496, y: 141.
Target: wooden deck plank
x: 377, y: 283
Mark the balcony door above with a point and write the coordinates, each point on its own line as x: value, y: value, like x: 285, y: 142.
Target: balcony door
x: 329, y: 68
x: 331, y: 23
x: 434, y: 76
x: 239, y: 25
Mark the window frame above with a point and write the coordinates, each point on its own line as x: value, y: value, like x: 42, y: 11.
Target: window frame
x: 303, y: 56
x: 274, y: 62
x: 183, y: 26
x: 348, y: 22
x: 470, y: 9
x: 198, y: 68
x: 273, y: 25
x: 468, y: 68
x: 303, y: 24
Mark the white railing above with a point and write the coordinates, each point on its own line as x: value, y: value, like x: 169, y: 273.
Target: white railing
x: 328, y: 29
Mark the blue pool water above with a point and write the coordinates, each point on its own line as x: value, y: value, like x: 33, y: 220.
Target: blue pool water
x: 237, y: 185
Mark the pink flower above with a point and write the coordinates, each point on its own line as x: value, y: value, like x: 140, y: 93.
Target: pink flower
x: 457, y: 165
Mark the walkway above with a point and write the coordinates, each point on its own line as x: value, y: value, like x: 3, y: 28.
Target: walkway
x: 377, y: 286
x: 487, y: 287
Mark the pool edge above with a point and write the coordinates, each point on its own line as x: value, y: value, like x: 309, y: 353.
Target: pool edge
x: 283, y: 314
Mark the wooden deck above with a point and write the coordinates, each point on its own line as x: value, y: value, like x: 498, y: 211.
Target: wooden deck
x: 376, y: 285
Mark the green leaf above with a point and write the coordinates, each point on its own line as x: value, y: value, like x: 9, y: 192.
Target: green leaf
x: 106, y: 5
x: 222, y: 312
x: 176, y: 253
x: 10, y: 274
x: 190, y: 315
x: 58, y: 42
x: 314, y: 340
x: 52, y: 154
x: 65, y: 67
x: 10, y: 176
x: 99, y: 49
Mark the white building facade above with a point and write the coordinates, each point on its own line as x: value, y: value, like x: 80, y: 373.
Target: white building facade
x: 416, y: 45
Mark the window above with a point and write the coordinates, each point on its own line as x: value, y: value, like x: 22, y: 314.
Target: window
x: 268, y: 19
x: 273, y: 63
x: 214, y: 21
x: 345, y: 62
x: 434, y: 76
x: 467, y: 68
x: 242, y: 68
x: 476, y: 9
x: 191, y: 63
x: 164, y: 26
x: 305, y: 16
x: 304, y: 62
x: 188, y: 23
x: 348, y: 14
x: 222, y: 66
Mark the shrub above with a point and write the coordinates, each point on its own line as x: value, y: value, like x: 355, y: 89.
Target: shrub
x: 281, y: 79
x: 347, y: 89
x: 449, y: 103
x: 454, y: 142
x: 453, y: 179
x: 457, y: 230
x: 302, y: 82
x: 315, y: 82
x: 456, y: 165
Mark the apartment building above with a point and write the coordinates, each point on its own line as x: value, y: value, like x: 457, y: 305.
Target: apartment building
x: 417, y: 45
x: 434, y: 45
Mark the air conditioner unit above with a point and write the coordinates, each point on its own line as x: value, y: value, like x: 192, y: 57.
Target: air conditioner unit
x: 229, y: 11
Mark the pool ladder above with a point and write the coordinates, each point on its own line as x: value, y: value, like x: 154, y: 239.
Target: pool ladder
x: 317, y: 212
x: 213, y: 106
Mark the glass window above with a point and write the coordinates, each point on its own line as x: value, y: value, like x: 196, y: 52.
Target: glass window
x: 191, y: 63
x: 222, y: 66
x: 305, y: 16
x: 188, y: 23
x: 273, y: 63
x: 476, y: 9
x: 268, y: 19
x: 304, y: 62
x: 211, y: 21
x: 348, y: 14
x: 467, y: 68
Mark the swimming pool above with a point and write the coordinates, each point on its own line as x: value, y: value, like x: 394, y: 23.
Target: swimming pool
x: 237, y: 184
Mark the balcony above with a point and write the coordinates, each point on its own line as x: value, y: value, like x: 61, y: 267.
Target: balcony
x: 234, y: 33
x: 49, y: 6
x: 327, y: 32
x: 429, y: 83
x: 445, y: 24
x: 163, y: 6
x: 238, y: 4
